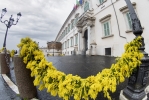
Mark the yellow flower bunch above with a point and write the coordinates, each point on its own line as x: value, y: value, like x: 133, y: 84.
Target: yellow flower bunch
x: 1, y: 50
x: 8, y: 51
x: 12, y: 53
x: 65, y: 86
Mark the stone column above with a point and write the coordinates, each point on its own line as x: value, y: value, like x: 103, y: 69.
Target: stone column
x: 89, y: 35
x: 78, y: 41
x: 89, y: 30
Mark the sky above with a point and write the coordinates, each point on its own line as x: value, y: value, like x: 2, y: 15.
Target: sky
x: 41, y: 20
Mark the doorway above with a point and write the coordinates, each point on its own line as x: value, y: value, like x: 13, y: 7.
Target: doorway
x: 86, y: 40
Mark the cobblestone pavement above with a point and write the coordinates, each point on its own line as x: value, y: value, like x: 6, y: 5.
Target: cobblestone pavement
x: 83, y: 66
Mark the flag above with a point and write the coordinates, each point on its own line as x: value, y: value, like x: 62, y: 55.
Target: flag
x: 74, y: 8
x: 80, y: 1
x: 77, y: 3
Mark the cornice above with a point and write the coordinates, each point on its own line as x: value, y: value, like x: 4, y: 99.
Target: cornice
x: 125, y: 7
x: 105, y: 17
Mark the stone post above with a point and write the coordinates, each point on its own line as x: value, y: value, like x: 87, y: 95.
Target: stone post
x: 4, y: 64
x: 24, y: 81
x: 93, y: 49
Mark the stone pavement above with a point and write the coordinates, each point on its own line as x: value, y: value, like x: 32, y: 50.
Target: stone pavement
x: 6, y: 93
x: 83, y: 66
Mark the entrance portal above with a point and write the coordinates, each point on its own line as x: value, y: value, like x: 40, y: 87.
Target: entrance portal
x: 86, y: 40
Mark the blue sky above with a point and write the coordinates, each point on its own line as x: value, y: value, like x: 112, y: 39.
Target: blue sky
x: 41, y: 20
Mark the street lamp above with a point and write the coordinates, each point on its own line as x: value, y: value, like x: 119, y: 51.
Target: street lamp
x: 138, y: 80
x: 8, y: 23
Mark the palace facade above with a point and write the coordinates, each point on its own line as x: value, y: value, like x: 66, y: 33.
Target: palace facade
x: 102, y: 27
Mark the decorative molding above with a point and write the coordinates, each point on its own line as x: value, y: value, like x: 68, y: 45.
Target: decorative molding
x: 101, y: 3
x: 72, y: 20
x: 123, y: 9
x: 94, y: 43
x: 111, y: 35
x: 129, y: 31
x: 77, y: 14
x: 86, y: 20
x: 105, y: 18
x: 91, y: 9
x: 79, y: 29
x: 90, y: 23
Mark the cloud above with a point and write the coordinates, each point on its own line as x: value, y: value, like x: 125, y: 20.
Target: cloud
x: 40, y: 20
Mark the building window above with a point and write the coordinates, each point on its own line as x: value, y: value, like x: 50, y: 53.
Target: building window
x: 71, y: 25
x: 65, y: 44
x: 76, y: 39
x: 108, y: 51
x: 76, y: 20
x: 66, y: 30
x: 101, y: 1
x: 63, y: 35
x: 68, y: 43
x: 128, y: 20
x: 86, y: 6
x: 127, y: 17
x: 69, y: 28
x: 106, y: 28
x: 71, y: 41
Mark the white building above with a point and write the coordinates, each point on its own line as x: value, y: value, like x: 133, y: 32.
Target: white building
x: 54, y: 48
x: 102, y: 27
x: 44, y: 50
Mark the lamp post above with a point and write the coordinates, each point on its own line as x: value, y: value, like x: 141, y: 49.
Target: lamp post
x: 8, y: 23
x: 138, y: 80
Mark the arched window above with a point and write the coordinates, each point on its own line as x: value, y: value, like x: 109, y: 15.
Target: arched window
x: 86, y: 6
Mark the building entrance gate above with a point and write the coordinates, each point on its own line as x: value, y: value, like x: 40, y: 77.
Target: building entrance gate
x: 86, y: 40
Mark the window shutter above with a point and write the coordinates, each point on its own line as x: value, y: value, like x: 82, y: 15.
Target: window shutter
x: 105, y: 30
x: 101, y: 1
x: 108, y: 29
x: 86, y: 6
x: 129, y: 20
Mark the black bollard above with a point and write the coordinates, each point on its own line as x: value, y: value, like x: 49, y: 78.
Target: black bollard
x: 139, y: 79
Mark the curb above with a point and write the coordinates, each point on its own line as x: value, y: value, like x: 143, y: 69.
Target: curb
x: 10, y: 83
